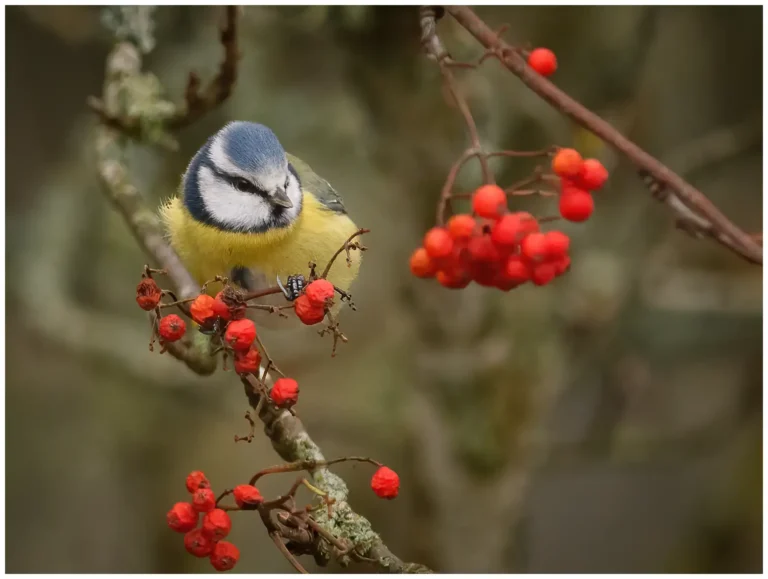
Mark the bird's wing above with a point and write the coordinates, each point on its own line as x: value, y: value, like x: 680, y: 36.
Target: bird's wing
x: 318, y: 186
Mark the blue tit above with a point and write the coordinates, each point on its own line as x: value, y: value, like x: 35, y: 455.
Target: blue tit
x: 248, y: 210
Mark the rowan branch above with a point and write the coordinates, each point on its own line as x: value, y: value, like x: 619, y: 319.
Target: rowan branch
x: 698, y: 214
x: 286, y: 432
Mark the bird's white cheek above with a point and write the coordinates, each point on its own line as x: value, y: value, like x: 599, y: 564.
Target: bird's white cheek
x: 229, y: 206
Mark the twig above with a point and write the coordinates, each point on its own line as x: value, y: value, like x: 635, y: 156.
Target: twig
x: 288, y: 555
x: 220, y: 87
x: 345, y: 247
x: 708, y: 218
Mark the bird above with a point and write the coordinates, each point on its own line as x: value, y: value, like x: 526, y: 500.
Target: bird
x: 249, y: 211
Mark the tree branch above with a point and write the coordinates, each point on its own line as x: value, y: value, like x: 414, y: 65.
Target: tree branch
x: 286, y: 432
x: 693, y: 208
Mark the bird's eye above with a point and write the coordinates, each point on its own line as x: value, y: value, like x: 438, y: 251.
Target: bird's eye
x: 243, y: 185
x: 287, y: 182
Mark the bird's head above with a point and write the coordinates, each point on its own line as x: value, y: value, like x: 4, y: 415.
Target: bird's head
x: 240, y: 180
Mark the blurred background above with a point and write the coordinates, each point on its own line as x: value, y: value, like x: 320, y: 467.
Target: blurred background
x: 609, y: 422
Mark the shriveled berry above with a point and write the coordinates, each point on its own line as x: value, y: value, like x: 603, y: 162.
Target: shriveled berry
x: 543, y: 61
x: 453, y: 280
x: 461, y: 227
x: 534, y: 247
x: 224, y: 556
x: 203, y: 500
x: 489, y: 201
x: 421, y: 264
x: 171, y: 328
x: 319, y: 292
x: 543, y: 273
x: 197, y: 544
x: 567, y: 163
x: 306, y: 312
x: 216, y: 524
x: 285, y: 392
x: 593, y: 175
x: 247, y: 362
x: 385, y: 483
x: 148, y: 294
x: 197, y: 479
x: 240, y: 334
x: 438, y: 243
x: 182, y: 517
x: 221, y: 309
x: 576, y: 205
x: 481, y: 249
x: 201, y: 309
x: 247, y: 496
x: 557, y: 244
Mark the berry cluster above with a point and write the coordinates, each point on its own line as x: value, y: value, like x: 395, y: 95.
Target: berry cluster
x: 205, y: 539
x: 496, y: 248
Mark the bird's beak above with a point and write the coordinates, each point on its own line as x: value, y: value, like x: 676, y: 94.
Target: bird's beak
x: 280, y: 199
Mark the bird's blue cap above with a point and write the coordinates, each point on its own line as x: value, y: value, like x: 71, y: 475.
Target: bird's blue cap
x: 252, y: 147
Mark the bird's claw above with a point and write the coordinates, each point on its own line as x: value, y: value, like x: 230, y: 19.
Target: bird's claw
x: 293, y: 287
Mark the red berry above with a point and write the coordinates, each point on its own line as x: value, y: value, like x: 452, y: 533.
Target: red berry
x: 216, y: 524
x: 543, y: 61
x: 198, y: 544
x: 203, y: 500
x: 202, y: 309
x: 385, y: 483
x: 562, y: 265
x: 438, y: 243
x: 486, y: 274
x: 319, y: 292
x: 516, y: 270
x: 576, y: 204
x: 306, y: 312
x: 248, y: 362
x: 421, y: 264
x: 453, y: 280
x: 534, y: 246
x: 285, y: 392
x: 182, y: 517
x: 543, y: 273
x: 225, y: 556
x: 482, y: 250
x: 593, y: 175
x: 557, y: 244
x: 461, y: 227
x: 197, y: 479
x: 221, y: 309
x: 171, y: 328
x: 148, y: 294
x: 489, y: 201
x: 247, y: 497
x: 567, y: 163
x: 504, y: 233
x: 240, y: 334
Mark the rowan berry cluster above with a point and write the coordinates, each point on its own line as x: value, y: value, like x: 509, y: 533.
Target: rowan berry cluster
x: 497, y: 248
x: 206, y: 538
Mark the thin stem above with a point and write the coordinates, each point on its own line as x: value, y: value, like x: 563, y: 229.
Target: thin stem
x: 345, y: 246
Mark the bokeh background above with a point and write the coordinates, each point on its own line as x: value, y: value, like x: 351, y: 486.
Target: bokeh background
x: 609, y: 422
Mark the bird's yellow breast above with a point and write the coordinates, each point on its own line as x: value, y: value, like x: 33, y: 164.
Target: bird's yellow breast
x: 315, y: 236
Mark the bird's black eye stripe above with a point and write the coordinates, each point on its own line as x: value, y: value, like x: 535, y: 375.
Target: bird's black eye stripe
x: 244, y: 185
